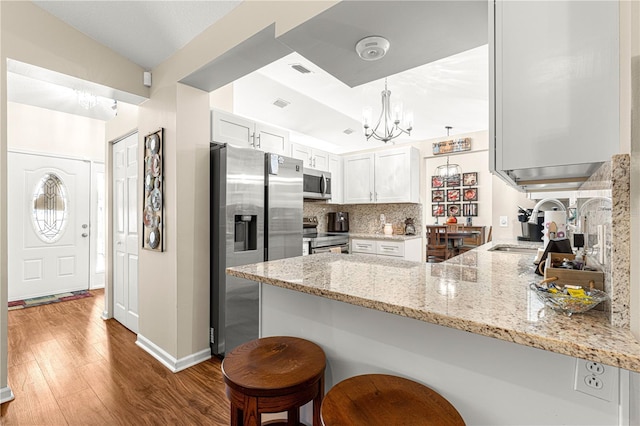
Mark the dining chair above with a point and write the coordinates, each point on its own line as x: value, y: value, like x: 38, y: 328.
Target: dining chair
x: 437, y: 243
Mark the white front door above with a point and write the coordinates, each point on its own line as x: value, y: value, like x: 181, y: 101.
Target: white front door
x: 48, y: 218
x: 125, y: 231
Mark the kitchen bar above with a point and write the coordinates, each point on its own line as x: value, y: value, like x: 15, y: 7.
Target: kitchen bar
x: 375, y: 314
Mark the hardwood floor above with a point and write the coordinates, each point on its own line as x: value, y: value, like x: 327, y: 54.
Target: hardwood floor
x: 67, y: 366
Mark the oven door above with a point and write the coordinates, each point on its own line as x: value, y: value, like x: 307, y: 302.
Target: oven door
x: 342, y: 248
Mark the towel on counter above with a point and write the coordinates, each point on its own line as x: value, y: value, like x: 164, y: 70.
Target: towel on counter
x: 335, y: 249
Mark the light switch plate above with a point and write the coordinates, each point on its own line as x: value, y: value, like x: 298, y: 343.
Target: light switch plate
x: 504, y: 221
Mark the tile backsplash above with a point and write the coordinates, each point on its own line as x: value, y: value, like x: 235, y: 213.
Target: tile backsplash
x: 365, y: 218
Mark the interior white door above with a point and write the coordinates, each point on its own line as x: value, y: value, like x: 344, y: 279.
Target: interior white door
x: 125, y: 231
x: 48, y: 217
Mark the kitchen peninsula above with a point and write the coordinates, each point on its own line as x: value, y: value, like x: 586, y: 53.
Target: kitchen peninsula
x: 470, y: 328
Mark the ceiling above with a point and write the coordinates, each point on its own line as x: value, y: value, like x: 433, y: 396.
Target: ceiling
x: 437, y: 64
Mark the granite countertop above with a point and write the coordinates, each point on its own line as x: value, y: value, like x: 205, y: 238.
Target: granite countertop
x: 383, y: 236
x: 483, y: 292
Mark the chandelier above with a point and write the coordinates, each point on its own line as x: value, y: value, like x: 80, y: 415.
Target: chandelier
x: 86, y: 100
x: 388, y: 126
x: 447, y: 171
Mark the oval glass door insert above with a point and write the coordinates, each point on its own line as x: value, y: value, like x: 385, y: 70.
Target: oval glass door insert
x: 50, y: 208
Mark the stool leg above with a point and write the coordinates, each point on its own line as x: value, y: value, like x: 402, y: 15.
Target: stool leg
x: 317, y: 402
x: 250, y: 415
x: 293, y: 417
x: 236, y: 419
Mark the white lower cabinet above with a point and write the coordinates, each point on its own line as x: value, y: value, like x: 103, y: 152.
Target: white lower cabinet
x: 407, y: 249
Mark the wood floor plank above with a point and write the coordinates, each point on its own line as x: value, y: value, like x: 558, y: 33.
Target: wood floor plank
x: 90, y: 412
x: 70, y: 367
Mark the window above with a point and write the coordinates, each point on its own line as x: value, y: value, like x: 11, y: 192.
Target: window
x: 50, y: 208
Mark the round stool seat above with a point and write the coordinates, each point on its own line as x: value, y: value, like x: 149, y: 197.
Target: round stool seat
x: 380, y: 399
x: 271, y: 375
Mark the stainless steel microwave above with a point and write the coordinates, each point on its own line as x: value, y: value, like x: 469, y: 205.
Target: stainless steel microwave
x: 316, y: 184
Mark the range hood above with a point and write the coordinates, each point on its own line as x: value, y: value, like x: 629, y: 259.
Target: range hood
x: 552, y: 178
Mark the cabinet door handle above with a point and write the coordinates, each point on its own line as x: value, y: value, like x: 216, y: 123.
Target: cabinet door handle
x: 314, y: 161
x: 376, y: 198
x: 253, y: 140
x: 370, y: 196
x: 258, y: 137
x: 310, y: 161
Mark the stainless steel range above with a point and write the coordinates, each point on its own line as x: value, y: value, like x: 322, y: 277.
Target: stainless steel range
x: 336, y: 242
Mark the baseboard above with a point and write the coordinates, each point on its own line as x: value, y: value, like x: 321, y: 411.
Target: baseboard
x: 6, y: 395
x: 173, y: 364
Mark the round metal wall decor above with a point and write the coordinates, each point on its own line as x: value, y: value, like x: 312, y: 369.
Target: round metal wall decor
x: 153, y: 208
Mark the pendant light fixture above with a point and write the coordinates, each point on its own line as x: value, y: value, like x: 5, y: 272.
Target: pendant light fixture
x: 392, y: 122
x: 388, y: 125
x: 448, y: 171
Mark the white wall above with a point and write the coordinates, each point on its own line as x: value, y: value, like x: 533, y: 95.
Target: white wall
x: 495, y: 198
x: 51, y: 132
x: 489, y: 381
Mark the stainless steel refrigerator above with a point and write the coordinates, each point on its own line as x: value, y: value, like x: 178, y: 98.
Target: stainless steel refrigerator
x: 256, y: 215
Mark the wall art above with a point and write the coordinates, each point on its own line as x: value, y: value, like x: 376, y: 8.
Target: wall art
x: 470, y: 194
x: 453, y: 210
x: 437, y: 210
x: 470, y: 179
x: 153, y: 208
x: 470, y: 209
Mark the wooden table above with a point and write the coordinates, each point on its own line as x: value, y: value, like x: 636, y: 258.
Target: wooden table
x: 456, y: 239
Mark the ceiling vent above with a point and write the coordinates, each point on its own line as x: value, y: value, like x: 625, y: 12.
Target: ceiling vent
x: 281, y: 103
x: 348, y: 131
x: 301, y: 68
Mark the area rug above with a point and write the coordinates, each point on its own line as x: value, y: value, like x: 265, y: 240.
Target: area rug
x: 45, y: 300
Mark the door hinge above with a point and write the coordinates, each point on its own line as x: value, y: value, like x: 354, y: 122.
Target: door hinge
x: 211, y: 338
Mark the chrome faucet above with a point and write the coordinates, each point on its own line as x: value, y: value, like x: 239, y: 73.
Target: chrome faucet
x: 536, y: 209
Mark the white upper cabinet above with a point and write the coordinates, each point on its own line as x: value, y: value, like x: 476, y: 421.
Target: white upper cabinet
x: 397, y: 175
x: 245, y: 133
x: 271, y: 139
x: 358, y: 178
x: 555, y: 88
x: 312, y: 158
x: 388, y: 176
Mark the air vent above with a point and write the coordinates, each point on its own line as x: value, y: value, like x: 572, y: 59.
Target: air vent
x: 281, y: 103
x: 348, y: 131
x: 301, y: 68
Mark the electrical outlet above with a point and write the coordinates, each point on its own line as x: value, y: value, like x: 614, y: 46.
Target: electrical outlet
x: 595, y: 379
x: 504, y: 221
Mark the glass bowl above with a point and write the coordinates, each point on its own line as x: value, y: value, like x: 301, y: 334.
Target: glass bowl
x: 568, y: 304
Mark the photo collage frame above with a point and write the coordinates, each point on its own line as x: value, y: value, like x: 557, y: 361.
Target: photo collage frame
x: 455, y: 196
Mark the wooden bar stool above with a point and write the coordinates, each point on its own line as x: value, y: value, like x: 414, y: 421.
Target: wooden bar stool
x: 271, y: 375
x: 380, y: 399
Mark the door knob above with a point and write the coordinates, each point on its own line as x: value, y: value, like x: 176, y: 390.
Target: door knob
x: 85, y: 235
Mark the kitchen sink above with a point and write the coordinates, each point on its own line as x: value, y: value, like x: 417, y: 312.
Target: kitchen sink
x: 514, y: 249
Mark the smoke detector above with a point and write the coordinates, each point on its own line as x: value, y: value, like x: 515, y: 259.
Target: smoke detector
x: 372, y: 48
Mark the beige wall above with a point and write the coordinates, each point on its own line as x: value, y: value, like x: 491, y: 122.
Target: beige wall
x: 4, y: 391
x: 173, y: 284
x: 30, y: 35
x: 51, y: 132
x: 193, y: 266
